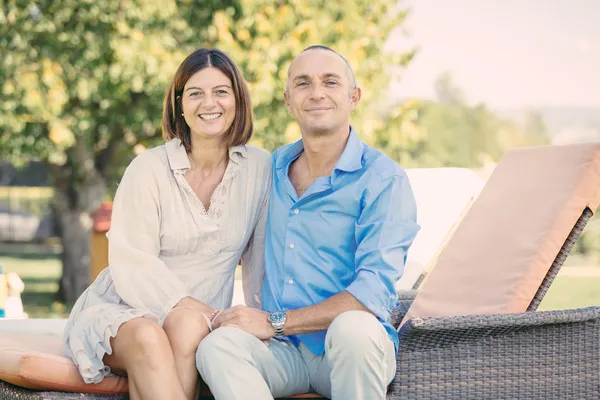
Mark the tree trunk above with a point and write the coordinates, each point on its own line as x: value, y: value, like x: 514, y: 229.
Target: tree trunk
x: 75, y: 230
x: 79, y: 189
x: 74, y: 220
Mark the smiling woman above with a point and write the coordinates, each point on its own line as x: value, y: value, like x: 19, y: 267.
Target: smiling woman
x: 208, y: 86
x: 208, y: 103
x: 184, y: 215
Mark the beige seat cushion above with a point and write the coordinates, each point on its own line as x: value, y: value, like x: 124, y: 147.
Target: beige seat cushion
x: 500, y: 253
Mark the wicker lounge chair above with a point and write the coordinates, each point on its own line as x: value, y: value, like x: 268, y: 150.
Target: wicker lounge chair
x: 472, y: 331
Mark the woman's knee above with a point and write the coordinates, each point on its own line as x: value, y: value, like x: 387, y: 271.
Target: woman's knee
x: 136, y: 340
x: 185, y: 327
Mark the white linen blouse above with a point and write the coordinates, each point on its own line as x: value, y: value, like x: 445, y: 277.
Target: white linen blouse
x: 164, y: 245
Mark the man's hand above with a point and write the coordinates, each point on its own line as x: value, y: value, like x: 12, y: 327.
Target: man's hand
x: 248, y: 319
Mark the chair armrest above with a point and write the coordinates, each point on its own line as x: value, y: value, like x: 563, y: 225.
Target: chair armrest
x: 398, y: 313
x: 405, y: 300
x: 407, y: 294
x: 537, y: 355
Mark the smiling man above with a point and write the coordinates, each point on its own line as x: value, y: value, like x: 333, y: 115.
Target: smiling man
x: 341, y: 219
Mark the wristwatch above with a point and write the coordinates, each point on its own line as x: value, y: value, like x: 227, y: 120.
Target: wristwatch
x: 277, y: 319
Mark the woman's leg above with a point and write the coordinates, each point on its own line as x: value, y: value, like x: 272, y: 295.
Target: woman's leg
x: 141, y: 348
x: 185, y: 328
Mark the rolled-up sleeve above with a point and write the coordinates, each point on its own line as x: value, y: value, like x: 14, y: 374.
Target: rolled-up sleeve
x: 141, y: 278
x: 384, y: 232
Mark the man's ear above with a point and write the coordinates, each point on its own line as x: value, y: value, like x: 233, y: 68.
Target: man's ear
x: 355, y: 97
x: 286, y: 96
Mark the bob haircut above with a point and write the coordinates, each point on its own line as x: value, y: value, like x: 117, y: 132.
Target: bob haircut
x: 173, y: 123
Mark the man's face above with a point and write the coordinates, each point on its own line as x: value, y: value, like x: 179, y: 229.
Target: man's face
x: 319, y: 95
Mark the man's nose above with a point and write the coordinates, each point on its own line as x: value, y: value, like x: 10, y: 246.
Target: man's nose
x: 318, y: 93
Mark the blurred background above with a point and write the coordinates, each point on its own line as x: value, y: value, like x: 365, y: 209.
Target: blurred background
x: 448, y: 87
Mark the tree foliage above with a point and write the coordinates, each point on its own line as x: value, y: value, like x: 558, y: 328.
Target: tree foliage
x: 90, y: 75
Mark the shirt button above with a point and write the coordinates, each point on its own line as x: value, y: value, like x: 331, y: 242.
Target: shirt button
x: 296, y: 211
x: 291, y: 245
x: 291, y: 281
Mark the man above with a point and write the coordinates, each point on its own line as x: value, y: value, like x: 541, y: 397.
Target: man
x: 341, y: 219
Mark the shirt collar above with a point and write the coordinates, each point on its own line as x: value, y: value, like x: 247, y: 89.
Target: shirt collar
x: 178, y: 159
x: 350, y: 160
x: 288, y: 154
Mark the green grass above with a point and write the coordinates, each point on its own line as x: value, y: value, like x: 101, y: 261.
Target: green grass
x: 572, y: 292
x: 41, y: 273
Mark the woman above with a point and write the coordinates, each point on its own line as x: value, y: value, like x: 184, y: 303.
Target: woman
x: 183, y: 216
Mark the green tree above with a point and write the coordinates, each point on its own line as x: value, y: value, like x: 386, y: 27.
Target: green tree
x: 449, y: 132
x: 268, y: 35
x: 82, y: 83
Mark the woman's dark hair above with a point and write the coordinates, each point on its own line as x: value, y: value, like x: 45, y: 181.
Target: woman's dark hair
x: 173, y: 122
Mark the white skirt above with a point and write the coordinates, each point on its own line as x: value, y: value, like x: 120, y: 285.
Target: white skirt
x: 94, y: 320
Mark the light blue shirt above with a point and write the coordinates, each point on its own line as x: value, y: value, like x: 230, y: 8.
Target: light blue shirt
x: 349, y: 231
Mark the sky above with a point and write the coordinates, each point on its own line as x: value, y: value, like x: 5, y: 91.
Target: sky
x: 505, y: 53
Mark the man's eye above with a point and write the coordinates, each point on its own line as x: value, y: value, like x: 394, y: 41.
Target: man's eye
x: 331, y: 83
x: 302, y: 84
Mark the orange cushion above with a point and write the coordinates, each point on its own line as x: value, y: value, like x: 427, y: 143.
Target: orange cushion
x: 36, y: 361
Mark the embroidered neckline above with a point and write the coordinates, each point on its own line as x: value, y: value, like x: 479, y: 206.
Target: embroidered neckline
x: 218, y: 196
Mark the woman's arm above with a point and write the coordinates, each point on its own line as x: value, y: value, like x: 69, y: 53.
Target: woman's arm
x: 141, y: 278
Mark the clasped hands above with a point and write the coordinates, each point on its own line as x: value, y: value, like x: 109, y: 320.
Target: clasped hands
x: 248, y: 319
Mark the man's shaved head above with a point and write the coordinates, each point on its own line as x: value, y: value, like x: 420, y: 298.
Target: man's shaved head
x: 349, y: 72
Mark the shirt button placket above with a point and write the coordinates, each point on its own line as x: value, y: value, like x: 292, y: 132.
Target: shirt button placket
x: 289, y: 259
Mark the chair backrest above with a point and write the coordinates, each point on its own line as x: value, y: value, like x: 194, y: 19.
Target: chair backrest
x: 502, y: 251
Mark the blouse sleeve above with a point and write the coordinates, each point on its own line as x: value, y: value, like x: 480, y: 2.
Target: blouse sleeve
x: 253, y: 258
x: 141, y: 278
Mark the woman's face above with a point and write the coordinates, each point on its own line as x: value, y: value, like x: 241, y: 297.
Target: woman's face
x: 208, y: 103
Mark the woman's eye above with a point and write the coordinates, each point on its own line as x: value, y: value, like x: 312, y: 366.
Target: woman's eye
x: 222, y: 92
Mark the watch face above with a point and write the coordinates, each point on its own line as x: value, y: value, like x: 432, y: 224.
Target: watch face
x: 277, y: 317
